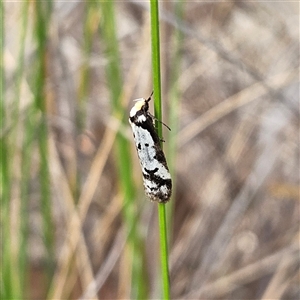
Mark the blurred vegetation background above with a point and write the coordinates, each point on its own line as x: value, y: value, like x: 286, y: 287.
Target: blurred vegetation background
x: 75, y: 223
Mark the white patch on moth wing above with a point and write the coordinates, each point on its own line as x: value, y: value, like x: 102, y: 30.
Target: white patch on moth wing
x: 163, y: 172
x: 145, y: 146
x: 142, y: 118
x: 164, y: 189
x: 150, y: 185
x: 147, y: 152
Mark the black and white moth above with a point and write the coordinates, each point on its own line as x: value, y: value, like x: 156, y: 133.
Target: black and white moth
x: 156, y: 175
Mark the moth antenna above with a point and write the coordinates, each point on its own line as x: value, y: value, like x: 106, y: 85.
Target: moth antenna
x: 164, y: 124
x: 147, y: 100
x: 150, y: 97
x: 159, y: 121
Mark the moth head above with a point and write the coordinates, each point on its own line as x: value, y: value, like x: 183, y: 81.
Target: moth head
x: 140, y: 105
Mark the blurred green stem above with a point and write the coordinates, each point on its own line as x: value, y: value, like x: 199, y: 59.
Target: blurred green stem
x: 124, y: 164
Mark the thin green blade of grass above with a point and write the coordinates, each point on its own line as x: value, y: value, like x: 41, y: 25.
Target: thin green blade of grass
x: 14, y: 268
x: 91, y: 23
x: 124, y: 163
x: 43, y: 12
x: 6, y: 273
x: 26, y: 159
x: 155, y: 42
x: 28, y: 145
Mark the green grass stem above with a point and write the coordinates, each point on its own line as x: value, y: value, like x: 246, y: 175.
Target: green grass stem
x: 124, y: 163
x: 14, y: 268
x: 91, y: 24
x: 8, y: 275
x: 43, y: 13
x: 158, y: 114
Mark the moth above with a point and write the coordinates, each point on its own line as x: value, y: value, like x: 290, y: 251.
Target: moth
x: 156, y: 176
